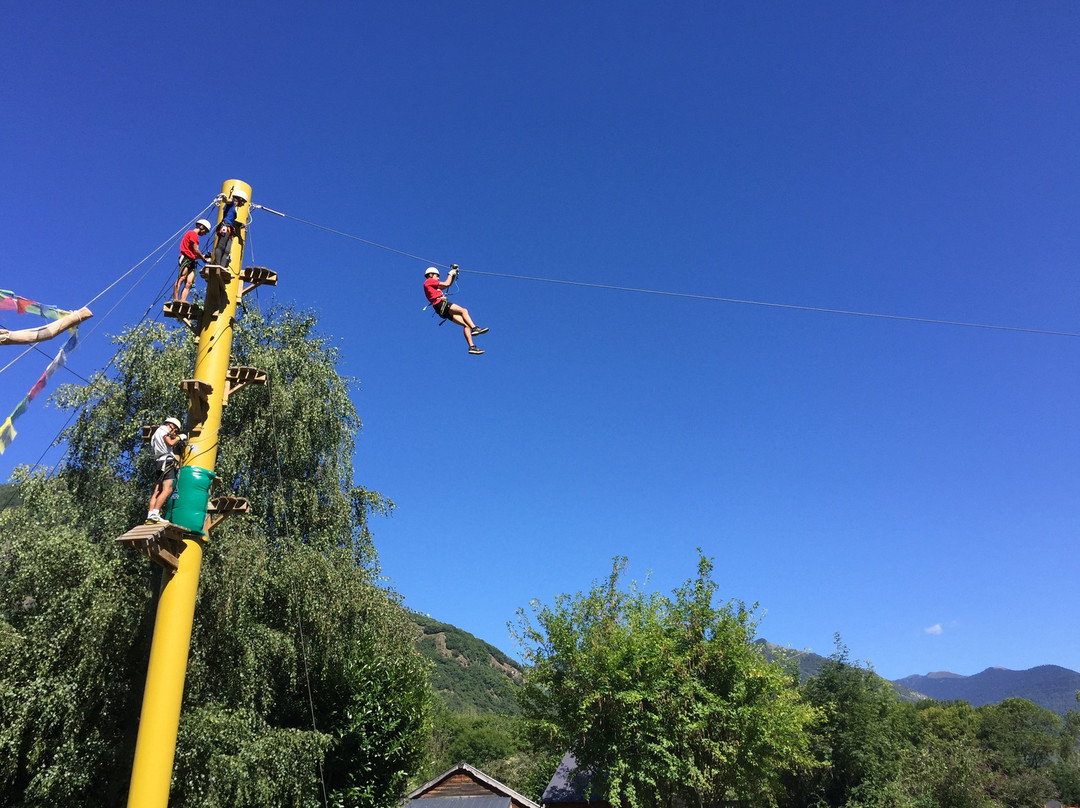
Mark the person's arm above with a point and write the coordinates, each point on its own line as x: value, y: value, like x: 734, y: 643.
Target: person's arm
x: 450, y: 278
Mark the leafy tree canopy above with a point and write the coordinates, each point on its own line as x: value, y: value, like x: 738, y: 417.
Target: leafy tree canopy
x: 666, y: 698
x: 302, y: 674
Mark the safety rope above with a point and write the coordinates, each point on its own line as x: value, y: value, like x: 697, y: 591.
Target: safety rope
x: 296, y: 598
x: 711, y: 298
x: 165, y: 243
x: 285, y: 521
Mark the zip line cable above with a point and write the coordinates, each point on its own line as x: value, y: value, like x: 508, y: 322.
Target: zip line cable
x: 792, y: 306
x: 767, y: 304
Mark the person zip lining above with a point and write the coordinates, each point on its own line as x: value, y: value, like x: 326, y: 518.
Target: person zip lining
x: 435, y: 290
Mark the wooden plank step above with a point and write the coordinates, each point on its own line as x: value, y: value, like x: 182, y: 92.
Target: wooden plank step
x: 258, y: 276
x: 197, y: 389
x: 227, y: 506
x: 224, y: 274
x: 161, y: 542
x: 243, y: 374
x: 182, y: 310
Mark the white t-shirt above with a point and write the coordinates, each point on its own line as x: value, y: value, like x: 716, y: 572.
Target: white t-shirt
x: 158, y: 446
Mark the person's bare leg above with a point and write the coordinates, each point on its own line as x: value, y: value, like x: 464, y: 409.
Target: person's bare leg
x: 188, y: 280
x: 457, y: 318
x: 160, y: 494
x: 464, y: 314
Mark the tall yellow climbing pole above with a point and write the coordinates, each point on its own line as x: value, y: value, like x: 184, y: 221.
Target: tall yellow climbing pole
x: 207, y: 393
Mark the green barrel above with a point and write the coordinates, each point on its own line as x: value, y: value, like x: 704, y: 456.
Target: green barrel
x: 189, y: 510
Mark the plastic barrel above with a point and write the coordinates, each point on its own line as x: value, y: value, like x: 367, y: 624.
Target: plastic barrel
x: 193, y: 485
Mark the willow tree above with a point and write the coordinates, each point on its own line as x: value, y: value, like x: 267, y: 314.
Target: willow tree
x: 302, y: 687
x: 662, y: 700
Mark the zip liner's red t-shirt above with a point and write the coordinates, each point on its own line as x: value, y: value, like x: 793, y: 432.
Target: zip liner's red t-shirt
x: 433, y: 291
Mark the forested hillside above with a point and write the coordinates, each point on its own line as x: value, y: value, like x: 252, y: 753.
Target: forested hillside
x: 470, y: 675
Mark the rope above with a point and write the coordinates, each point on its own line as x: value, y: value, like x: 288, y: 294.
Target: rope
x: 790, y: 306
x: 17, y: 358
x: 160, y: 246
x: 296, y: 599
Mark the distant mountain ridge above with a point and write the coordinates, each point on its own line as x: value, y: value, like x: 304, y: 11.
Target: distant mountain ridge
x: 472, y: 676
x: 1049, y: 686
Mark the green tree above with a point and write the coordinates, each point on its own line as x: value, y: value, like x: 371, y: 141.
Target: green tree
x: 666, y: 697
x: 1023, y: 743
x: 1020, y: 734
x: 302, y: 671
x: 862, y: 740
x: 944, y: 768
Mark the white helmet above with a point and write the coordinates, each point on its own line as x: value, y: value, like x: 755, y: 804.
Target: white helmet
x: 431, y: 271
x: 240, y: 194
x: 204, y: 224
x: 174, y: 421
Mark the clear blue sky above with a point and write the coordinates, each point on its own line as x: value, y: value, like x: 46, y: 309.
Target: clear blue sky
x: 911, y: 486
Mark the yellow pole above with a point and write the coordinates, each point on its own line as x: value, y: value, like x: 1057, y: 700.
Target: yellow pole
x: 155, y: 748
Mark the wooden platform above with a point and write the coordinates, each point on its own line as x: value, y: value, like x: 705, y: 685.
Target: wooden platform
x: 216, y: 271
x: 220, y: 507
x: 242, y: 376
x: 197, y: 390
x: 227, y: 506
x: 162, y: 543
x: 181, y: 310
x: 257, y: 276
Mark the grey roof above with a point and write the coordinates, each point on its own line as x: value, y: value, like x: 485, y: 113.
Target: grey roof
x: 417, y: 793
x: 570, y: 784
x: 459, y: 802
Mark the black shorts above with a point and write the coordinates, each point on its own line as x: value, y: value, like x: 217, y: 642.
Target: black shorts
x: 187, y: 265
x: 166, y: 469
x: 442, y: 308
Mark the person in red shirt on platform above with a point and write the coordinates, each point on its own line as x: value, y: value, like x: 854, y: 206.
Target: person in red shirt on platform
x: 435, y: 290
x: 189, y: 259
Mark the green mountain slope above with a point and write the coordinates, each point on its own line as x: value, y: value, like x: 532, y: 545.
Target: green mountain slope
x: 470, y: 675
